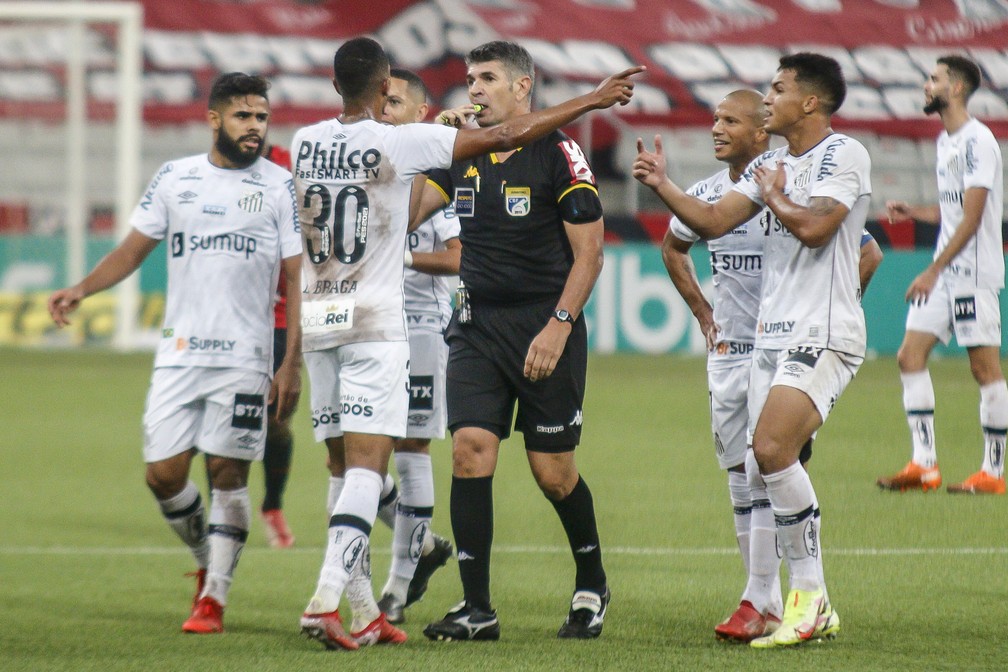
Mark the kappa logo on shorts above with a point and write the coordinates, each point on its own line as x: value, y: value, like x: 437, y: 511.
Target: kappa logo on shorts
x: 421, y: 390
x: 248, y: 411
x: 965, y: 309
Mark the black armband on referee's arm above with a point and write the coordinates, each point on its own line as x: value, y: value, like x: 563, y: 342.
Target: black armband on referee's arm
x: 581, y: 205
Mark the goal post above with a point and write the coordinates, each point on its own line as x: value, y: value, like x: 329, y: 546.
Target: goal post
x: 128, y: 19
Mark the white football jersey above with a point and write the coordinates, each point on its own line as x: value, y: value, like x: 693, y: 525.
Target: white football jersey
x: 227, y: 230
x: 428, y: 297
x: 736, y: 260
x: 968, y: 159
x: 810, y: 295
x: 353, y: 185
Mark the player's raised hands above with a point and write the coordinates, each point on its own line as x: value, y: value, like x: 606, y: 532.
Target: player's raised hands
x: 649, y: 168
x: 617, y: 88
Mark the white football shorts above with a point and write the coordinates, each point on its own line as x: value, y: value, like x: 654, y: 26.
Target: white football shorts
x: 428, y: 410
x: 220, y: 411
x: 359, y: 387
x: 972, y: 314
x: 729, y: 387
x: 821, y: 374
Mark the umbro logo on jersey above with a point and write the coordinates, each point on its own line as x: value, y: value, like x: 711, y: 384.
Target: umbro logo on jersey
x: 339, y: 136
x: 186, y: 197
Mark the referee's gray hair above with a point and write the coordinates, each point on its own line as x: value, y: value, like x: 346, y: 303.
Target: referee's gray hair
x: 516, y: 59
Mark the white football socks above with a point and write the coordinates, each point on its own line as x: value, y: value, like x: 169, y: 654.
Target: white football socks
x: 919, y: 405
x: 797, y: 514
x: 412, y: 522
x: 994, y: 421
x: 348, y: 547
x: 186, y: 515
x: 228, y: 530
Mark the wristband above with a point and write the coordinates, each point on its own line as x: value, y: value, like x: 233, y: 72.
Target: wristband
x: 408, y: 259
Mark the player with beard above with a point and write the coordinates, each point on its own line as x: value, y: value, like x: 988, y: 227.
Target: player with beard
x: 231, y: 227
x: 958, y: 292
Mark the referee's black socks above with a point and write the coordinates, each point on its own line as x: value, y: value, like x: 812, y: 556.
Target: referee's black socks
x: 577, y: 514
x: 472, y: 524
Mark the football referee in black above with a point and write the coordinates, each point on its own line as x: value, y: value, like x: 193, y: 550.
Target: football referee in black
x: 531, y: 233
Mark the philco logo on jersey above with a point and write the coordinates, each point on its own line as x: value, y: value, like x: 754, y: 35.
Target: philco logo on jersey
x: 465, y: 202
x: 518, y: 201
x: 577, y: 162
x: 251, y: 202
x: 335, y: 162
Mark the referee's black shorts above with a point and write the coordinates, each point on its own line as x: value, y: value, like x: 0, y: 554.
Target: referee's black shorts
x: 486, y: 363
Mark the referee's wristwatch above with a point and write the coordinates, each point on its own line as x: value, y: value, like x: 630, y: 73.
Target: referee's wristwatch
x: 563, y: 316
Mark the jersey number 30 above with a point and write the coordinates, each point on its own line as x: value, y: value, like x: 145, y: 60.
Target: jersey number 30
x: 331, y: 221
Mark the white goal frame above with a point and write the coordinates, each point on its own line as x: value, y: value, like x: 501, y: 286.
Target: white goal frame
x: 129, y: 110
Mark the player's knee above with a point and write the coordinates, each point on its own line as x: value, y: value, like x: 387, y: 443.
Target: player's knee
x: 227, y: 474
x: 164, y: 482
x: 421, y: 446
x: 910, y: 359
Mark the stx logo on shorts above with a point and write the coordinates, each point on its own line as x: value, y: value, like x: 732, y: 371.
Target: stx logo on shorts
x: 248, y: 411
x: 965, y: 309
x: 421, y: 390
x: 805, y: 355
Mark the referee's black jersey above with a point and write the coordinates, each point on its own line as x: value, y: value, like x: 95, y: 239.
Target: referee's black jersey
x: 514, y: 248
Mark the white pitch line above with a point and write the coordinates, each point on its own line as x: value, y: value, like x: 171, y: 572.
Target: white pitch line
x: 510, y: 550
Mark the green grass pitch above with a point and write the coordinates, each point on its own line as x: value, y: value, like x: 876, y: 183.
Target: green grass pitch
x: 92, y: 579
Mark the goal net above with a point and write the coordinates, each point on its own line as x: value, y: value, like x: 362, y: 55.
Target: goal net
x: 70, y: 120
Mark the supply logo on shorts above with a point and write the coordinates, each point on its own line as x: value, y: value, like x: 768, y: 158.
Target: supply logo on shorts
x: 518, y: 201
x: 248, y: 411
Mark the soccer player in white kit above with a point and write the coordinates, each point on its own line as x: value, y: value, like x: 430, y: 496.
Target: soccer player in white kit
x: 729, y: 328
x: 810, y: 336
x: 433, y: 253
x: 230, y: 224
x: 958, y: 292
x: 353, y: 177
